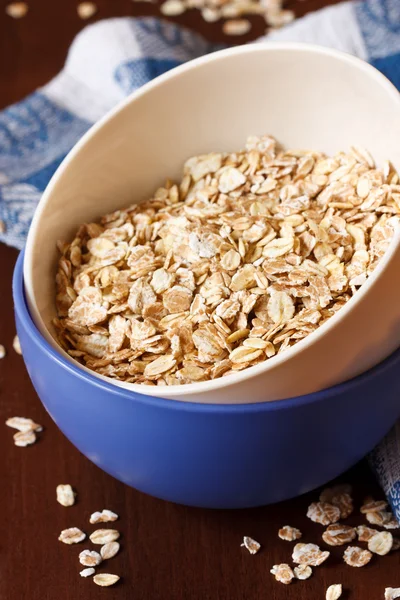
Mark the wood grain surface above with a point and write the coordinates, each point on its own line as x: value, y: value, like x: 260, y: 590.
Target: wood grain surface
x: 168, y: 552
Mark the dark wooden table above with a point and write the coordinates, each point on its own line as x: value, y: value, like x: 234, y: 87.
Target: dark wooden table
x: 168, y: 552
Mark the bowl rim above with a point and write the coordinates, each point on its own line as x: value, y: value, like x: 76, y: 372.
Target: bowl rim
x: 263, y: 367
x: 325, y: 395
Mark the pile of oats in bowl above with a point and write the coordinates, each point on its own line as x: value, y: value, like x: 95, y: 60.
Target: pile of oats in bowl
x: 249, y: 253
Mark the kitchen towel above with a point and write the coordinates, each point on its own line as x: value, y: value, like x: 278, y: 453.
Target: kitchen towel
x: 110, y: 59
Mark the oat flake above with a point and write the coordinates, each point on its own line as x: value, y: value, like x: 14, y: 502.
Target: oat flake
x: 109, y: 550
x: 283, y: 573
x: 105, y: 516
x: 334, y: 592
x: 381, y: 543
x: 105, y: 579
x: 251, y: 545
x: 302, y: 572
x: 290, y: 534
x: 90, y: 558
x: 65, y: 495
x: 356, y: 557
x: 73, y: 535
x: 87, y: 572
x: 24, y: 438
x: 103, y: 536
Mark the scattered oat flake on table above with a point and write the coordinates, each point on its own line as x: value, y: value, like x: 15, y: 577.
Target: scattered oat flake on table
x: 365, y: 533
x: 329, y: 493
x: 323, y: 513
x: 173, y: 8
x: 86, y: 10
x: 105, y: 579
x: 17, y: 10
x: 105, y: 516
x: 302, y: 572
x: 87, y: 572
x: 109, y: 550
x: 309, y: 554
x: 334, y: 591
x: 391, y: 522
x: 382, y: 518
x: 17, y: 345
x: 283, y: 573
x: 251, y: 545
x: 381, y: 543
x: 373, y: 506
x: 65, y: 494
x: 2, y: 351
x: 289, y: 534
x: 344, y: 503
x: 73, y: 535
x: 392, y: 593
x: 90, y: 558
x: 338, y: 534
x: 23, y: 424
x: 24, y: 438
x: 236, y: 27
x: 103, y: 536
x: 356, y: 557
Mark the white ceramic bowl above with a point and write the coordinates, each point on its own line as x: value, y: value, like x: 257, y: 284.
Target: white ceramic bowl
x: 305, y: 96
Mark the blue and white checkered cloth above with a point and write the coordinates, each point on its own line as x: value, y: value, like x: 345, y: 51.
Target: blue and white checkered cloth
x: 112, y: 58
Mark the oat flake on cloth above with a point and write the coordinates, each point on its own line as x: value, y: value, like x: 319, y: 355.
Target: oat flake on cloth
x: 110, y: 59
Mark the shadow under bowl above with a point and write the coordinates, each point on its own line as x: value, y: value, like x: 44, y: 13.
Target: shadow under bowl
x: 214, y: 456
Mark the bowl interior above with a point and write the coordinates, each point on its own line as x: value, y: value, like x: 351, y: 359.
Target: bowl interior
x: 303, y: 95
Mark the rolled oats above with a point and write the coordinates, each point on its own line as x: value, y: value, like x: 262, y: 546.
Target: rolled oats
x: 90, y: 558
x: 2, y: 351
x: 344, y: 503
x: 86, y: 10
x: 323, y: 513
x: 103, y: 536
x: 283, y: 573
x: 251, y: 545
x: 109, y: 550
x: 381, y: 543
x: 105, y: 516
x: 302, y: 572
x: 87, y: 572
x: 392, y: 593
x: 365, y: 533
x: 373, y: 506
x: 334, y: 592
x: 17, y: 10
x: 337, y: 535
x: 382, y: 518
x: 356, y: 557
x: 105, y: 579
x: 250, y: 253
x: 309, y: 554
x: 23, y: 424
x: 24, y: 438
x: 17, y: 345
x: 65, y: 495
x: 236, y: 27
x: 290, y: 534
x: 73, y: 535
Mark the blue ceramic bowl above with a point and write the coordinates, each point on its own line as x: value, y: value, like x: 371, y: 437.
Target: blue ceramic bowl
x: 217, y: 456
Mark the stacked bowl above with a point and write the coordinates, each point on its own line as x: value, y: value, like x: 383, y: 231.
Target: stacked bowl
x: 271, y: 431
